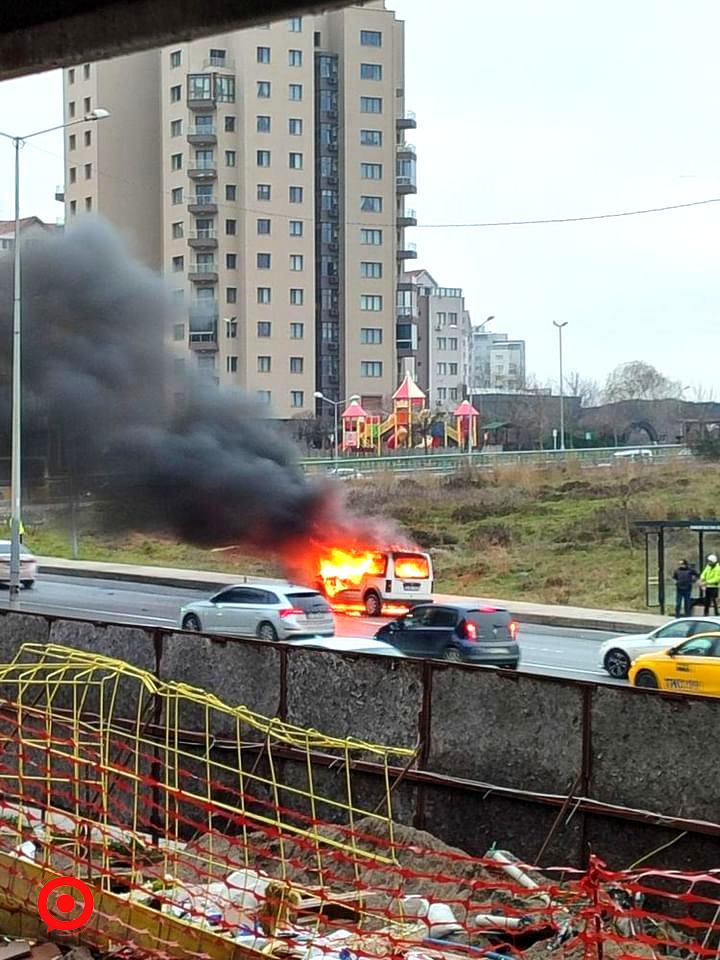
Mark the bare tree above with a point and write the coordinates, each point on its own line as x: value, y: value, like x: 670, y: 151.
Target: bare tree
x: 638, y: 380
x: 586, y: 389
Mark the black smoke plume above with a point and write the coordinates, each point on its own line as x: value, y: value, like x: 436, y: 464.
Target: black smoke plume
x: 206, y: 466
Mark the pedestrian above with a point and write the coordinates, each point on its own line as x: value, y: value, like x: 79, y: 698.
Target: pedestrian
x: 685, y: 576
x: 710, y: 580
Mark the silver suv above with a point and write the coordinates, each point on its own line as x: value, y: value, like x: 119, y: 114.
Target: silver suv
x: 272, y: 612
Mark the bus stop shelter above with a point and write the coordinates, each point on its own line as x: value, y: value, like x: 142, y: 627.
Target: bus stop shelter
x: 656, y: 543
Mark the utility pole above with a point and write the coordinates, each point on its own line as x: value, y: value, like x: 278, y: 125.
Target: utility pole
x: 562, y: 381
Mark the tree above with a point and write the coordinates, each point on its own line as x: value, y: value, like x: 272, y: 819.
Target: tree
x: 586, y: 389
x: 640, y: 381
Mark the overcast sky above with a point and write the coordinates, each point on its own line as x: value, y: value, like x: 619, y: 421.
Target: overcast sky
x: 532, y: 110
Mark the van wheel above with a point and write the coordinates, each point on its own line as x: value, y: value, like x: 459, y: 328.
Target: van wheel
x: 646, y: 679
x: 266, y: 631
x: 373, y: 604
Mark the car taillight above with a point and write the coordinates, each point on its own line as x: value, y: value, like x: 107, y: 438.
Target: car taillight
x: 291, y: 612
x: 513, y: 629
x: 470, y: 631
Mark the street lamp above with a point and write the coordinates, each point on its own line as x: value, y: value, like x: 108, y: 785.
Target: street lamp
x: 336, y: 404
x: 562, y: 384
x: 15, y: 467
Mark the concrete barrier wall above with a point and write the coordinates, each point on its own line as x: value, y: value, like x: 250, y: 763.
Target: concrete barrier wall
x: 491, y: 746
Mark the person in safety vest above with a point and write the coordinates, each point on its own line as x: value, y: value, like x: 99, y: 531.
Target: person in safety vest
x: 710, y: 580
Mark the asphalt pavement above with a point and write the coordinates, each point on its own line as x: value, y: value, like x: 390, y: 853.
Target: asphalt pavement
x: 554, y: 651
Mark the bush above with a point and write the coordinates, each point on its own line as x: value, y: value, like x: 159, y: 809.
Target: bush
x: 491, y: 534
x: 706, y: 447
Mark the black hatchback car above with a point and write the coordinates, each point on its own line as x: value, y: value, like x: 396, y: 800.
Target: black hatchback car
x: 470, y: 633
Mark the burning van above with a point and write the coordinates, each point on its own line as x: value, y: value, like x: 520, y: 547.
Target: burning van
x: 376, y: 581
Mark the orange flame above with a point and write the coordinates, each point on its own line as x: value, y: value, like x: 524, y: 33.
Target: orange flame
x: 411, y: 567
x: 341, y: 569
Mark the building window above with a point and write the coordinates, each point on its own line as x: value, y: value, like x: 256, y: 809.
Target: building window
x: 175, y: 58
x: 264, y: 364
x: 371, y: 368
x: 217, y: 58
x: 231, y: 261
x: 177, y: 196
x: 87, y: 137
x: 441, y: 343
x: 296, y: 262
x: 225, y: 89
x: 452, y: 319
x: 231, y: 364
x: 296, y: 228
x: 371, y: 302
x: 370, y: 38
x: 442, y: 393
x: 230, y: 191
x: 263, y: 226
x: 199, y: 87
x: 71, y: 109
x: 453, y: 369
x: 297, y: 398
x: 441, y: 318
x: 229, y: 124
x: 297, y: 331
x: 178, y: 230
x: 297, y: 364
x: 296, y: 161
x: 371, y: 71
x: 264, y: 396
x: 263, y: 54
x: 71, y: 141
x: 230, y: 228
x: 453, y: 393
x: 263, y: 158
x: 371, y: 270
x: 176, y: 161
x: 86, y: 71
x: 453, y: 343
x: 263, y: 89
x: 264, y: 191
x: 371, y: 238
x: 371, y: 204
x: 371, y: 335
x: 371, y: 138
x: 178, y: 332
x: 264, y: 328
x: 231, y: 295
x: 73, y: 207
x: 295, y: 58
x: 264, y: 261
x: 176, y: 93
x: 71, y: 75
x: 296, y: 194
x: 297, y: 297
x: 87, y: 106
x: 295, y: 91
x: 441, y: 369
x: 230, y: 158
x: 88, y: 204
x: 231, y: 329
x: 263, y: 124
x: 295, y: 24
x: 176, y: 128
x: 295, y: 127
x: 73, y: 174
x: 370, y: 104
x: 371, y: 171
x: 178, y: 264
x: 263, y: 295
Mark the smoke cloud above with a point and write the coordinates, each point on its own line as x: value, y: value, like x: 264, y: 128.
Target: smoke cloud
x: 210, y: 469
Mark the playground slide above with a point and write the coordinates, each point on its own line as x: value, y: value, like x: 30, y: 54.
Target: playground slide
x: 452, y: 434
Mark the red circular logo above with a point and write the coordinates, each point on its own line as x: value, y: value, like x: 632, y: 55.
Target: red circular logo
x: 65, y: 903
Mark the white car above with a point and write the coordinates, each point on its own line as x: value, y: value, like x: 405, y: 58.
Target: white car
x: 617, y: 654
x: 349, y: 645
x: 28, y: 565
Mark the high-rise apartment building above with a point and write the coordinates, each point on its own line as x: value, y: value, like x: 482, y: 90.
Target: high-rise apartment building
x: 265, y: 173
x: 498, y: 363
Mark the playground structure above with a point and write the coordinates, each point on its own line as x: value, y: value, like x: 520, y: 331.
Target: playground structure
x: 411, y: 425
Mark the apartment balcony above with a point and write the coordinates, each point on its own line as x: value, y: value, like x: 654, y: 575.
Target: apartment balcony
x: 205, y: 170
x: 408, y: 218
x: 202, y: 203
x: 60, y: 193
x: 203, y: 239
x: 408, y: 121
x: 405, y: 184
x: 406, y: 286
x: 407, y: 252
x: 202, y: 134
x: 406, y: 313
x: 206, y: 340
x: 219, y: 63
x: 203, y: 272
x: 406, y: 151
x: 203, y: 326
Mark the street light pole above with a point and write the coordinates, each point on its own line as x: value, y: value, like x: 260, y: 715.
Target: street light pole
x: 16, y: 450
x: 562, y: 382
x: 336, y: 404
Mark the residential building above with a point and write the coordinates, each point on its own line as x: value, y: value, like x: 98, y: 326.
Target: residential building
x: 498, y: 363
x: 7, y: 230
x: 433, y: 338
x: 273, y: 198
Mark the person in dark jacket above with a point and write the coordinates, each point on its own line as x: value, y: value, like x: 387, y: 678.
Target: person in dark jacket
x: 684, y: 577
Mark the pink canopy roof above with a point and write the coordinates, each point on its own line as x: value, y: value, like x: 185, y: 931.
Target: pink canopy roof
x: 466, y: 409
x: 354, y: 410
x: 408, y: 390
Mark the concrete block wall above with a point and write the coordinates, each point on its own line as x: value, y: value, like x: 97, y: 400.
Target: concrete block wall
x: 496, y: 734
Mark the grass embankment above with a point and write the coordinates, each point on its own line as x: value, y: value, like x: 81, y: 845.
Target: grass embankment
x: 556, y: 535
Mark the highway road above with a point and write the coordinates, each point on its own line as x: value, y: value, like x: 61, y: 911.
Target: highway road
x: 554, y: 651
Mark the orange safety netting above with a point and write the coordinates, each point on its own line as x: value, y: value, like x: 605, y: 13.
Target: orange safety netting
x: 208, y: 831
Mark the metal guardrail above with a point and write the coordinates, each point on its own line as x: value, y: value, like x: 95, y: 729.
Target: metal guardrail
x: 448, y: 462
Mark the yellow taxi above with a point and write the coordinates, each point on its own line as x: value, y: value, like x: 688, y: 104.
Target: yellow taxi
x: 692, y: 666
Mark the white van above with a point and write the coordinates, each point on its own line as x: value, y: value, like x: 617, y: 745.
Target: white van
x: 395, y: 578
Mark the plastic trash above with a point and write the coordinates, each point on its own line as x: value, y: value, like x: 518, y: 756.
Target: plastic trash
x: 510, y: 865
x: 438, y: 917
x: 501, y: 922
x: 245, y: 888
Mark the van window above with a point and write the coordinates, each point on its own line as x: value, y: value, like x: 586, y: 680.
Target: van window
x: 411, y: 566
